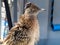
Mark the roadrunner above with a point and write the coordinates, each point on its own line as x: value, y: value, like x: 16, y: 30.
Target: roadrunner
x: 26, y: 31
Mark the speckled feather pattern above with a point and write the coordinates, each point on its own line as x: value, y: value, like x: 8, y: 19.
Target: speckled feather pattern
x: 25, y: 32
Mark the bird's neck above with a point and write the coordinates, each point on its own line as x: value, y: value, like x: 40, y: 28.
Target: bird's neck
x: 30, y: 15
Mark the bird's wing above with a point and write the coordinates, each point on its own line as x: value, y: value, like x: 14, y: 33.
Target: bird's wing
x: 11, y: 32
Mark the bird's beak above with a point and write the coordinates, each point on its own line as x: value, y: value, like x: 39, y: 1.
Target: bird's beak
x: 43, y: 9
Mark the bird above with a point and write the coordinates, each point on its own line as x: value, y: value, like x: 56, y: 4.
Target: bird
x: 27, y: 29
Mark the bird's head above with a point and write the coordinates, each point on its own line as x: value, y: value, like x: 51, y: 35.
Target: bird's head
x: 32, y: 9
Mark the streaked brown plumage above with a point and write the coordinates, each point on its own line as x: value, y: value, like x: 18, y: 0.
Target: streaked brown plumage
x: 26, y: 31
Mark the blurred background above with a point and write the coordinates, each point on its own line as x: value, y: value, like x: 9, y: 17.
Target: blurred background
x: 49, y: 20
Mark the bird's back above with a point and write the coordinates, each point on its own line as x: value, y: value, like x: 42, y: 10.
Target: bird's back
x: 22, y: 33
